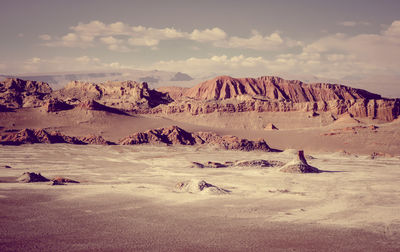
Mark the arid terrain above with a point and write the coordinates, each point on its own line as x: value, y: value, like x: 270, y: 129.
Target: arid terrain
x: 214, y: 167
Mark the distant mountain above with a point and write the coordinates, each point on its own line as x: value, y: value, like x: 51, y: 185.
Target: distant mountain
x: 154, y: 78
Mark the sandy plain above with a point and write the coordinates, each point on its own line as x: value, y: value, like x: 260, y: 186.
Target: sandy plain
x: 126, y: 200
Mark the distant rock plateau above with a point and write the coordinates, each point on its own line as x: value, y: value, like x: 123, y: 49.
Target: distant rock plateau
x: 222, y: 94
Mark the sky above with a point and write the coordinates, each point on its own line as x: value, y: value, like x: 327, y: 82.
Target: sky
x: 348, y: 41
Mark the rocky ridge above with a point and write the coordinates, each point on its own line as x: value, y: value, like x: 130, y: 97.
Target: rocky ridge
x: 222, y: 94
x: 32, y: 136
x: 176, y: 136
x: 274, y: 94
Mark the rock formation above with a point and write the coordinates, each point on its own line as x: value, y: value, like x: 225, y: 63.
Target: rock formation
x: 275, y: 88
x: 270, y: 126
x: 62, y: 180
x: 199, y: 186
x: 98, y: 140
x: 93, y: 105
x: 55, y: 105
x: 175, y: 135
x: 247, y: 163
x: 32, y: 136
x: 17, y: 93
x: 274, y: 94
x: 299, y: 165
x: 29, y: 177
x: 126, y: 95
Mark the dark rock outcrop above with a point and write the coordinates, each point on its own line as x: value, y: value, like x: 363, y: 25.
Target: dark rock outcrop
x: 30, y: 177
x: 93, y: 105
x: 32, y: 136
x: 98, y: 140
x: 55, y: 105
x: 177, y: 136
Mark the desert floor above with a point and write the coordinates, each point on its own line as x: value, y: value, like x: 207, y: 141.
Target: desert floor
x: 126, y: 201
x: 297, y: 130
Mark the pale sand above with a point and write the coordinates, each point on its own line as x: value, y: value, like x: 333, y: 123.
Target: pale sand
x: 126, y: 201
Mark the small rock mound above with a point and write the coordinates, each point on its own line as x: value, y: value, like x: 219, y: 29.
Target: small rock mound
x: 199, y: 186
x: 94, y: 105
x: 98, y: 140
x: 62, y: 181
x: 30, y: 177
x: 55, y: 105
x: 209, y: 164
x: 260, y: 163
x: 299, y: 165
x: 270, y: 126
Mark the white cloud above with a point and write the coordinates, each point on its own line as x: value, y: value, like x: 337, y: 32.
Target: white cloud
x: 221, y: 64
x: 255, y: 41
x: 353, y: 23
x: 214, y: 34
x: 122, y: 37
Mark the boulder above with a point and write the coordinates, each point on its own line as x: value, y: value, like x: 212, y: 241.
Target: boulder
x: 199, y: 186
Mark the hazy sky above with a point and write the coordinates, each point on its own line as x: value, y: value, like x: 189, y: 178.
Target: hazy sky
x: 341, y: 39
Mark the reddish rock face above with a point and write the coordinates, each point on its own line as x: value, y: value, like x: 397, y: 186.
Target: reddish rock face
x: 274, y: 94
x: 271, y: 87
x: 177, y: 136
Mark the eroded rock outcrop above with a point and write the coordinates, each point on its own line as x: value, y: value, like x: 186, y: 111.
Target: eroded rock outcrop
x: 17, y: 93
x: 176, y: 136
x: 31, y: 177
x: 32, y: 136
x: 125, y: 95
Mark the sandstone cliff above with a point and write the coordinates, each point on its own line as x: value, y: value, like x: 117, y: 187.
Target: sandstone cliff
x: 17, y: 93
x: 271, y: 87
x: 274, y: 94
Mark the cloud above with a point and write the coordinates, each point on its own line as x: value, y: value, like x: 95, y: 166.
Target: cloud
x: 222, y: 64
x: 354, y: 23
x: 256, y: 41
x: 207, y: 35
x: 122, y: 37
